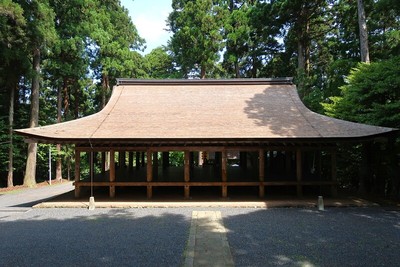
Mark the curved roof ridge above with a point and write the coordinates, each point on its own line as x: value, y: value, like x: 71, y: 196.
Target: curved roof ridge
x: 109, y: 107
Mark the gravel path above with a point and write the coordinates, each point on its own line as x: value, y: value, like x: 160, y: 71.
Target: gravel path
x: 158, y: 237
x: 299, y: 237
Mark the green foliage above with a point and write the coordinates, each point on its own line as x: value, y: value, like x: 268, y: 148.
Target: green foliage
x: 176, y: 158
x: 371, y: 95
x: 197, y: 34
x: 160, y: 64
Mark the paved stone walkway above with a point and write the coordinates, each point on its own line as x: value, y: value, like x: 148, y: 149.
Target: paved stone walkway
x: 208, y: 244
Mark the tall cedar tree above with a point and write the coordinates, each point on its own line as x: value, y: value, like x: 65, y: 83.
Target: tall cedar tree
x: 197, y: 34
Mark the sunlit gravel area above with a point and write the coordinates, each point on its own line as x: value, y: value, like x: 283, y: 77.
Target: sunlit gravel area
x: 158, y: 237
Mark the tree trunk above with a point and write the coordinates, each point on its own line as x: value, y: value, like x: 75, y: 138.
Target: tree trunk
x: 58, y: 161
x: 10, y: 178
x: 30, y: 170
x: 237, y: 69
x: 362, y: 24
x: 301, y: 63
x: 76, y: 100
x: 203, y: 72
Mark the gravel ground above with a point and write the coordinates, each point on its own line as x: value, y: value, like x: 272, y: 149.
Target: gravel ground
x: 157, y: 237
x: 300, y: 237
x: 103, y: 237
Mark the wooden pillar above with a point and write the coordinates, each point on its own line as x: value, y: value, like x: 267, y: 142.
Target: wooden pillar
x: 165, y: 160
x: 155, y: 160
x: 191, y: 159
x: 224, y: 174
x: 243, y: 159
x: 288, y: 163
x: 137, y: 160
x: 130, y: 160
x: 112, y: 172
x: 261, y: 173
x: 299, y: 172
x: 334, y: 173
x: 122, y: 163
x: 107, y: 161
x: 77, y: 172
x: 149, y: 174
x: 365, y: 168
x: 91, y: 161
x: 103, y: 162
x: 142, y: 161
x: 187, y: 174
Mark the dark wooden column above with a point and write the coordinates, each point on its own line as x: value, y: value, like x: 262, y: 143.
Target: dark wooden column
x: 77, y: 172
x: 149, y: 174
x: 187, y: 174
x: 243, y: 160
x: 165, y: 160
x: 155, y: 160
x: 299, y: 172
x: 224, y: 174
x: 122, y: 164
x: 137, y: 160
x: 365, y: 168
x: 334, y: 172
x: 288, y: 164
x: 130, y: 160
x: 112, y: 172
x: 261, y: 172
x: 91, y: 163
x: 103, y: 162
x: 142, y: 161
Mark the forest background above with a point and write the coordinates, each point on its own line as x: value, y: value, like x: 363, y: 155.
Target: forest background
x: 60, y: 59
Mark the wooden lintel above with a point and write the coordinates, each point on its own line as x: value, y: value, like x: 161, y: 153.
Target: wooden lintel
x: 207, y: 148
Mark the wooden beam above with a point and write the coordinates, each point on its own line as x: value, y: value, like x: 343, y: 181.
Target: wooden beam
x: 112, y: 173
x: 261, y: 173
x: 77, y: 172
x: 299, y: 172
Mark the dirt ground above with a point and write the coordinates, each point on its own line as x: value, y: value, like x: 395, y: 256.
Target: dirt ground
x: 22, y: 187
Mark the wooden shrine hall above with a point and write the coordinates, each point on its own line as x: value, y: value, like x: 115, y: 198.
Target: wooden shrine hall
x: 231, y: 134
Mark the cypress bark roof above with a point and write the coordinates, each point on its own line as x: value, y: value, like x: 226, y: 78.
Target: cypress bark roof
x: 225, y: 110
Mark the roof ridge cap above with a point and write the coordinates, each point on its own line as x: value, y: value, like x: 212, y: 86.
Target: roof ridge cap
x: 242, y: 81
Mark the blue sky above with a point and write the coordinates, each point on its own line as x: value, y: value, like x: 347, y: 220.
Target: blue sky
x: 149, y: 17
